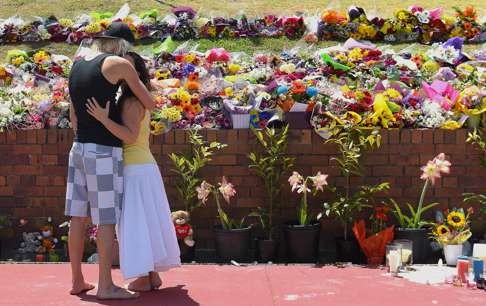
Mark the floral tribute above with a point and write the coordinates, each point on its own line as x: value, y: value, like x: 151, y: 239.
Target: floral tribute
x: 436, y: 87
x: 452, y: 226
x: 414, y: 24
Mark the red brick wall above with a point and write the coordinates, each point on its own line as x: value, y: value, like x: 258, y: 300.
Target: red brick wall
x: 33, y: 168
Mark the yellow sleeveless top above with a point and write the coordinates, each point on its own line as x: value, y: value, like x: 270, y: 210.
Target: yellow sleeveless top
x: 139, y: 151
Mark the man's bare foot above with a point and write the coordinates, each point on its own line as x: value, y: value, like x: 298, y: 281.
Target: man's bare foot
x: 155, y: 280
x: 141, y: 284
x: 81, y: 287
x: 116, y: 293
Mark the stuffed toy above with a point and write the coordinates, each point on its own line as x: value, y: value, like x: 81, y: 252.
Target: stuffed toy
x: 183, y: 229
x: 30, y: 243
x: 192, y: 83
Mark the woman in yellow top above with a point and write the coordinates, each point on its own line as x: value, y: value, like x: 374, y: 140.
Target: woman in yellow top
x: 146, y: 235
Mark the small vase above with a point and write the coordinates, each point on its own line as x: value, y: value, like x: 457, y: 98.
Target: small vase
x: 451, y: 253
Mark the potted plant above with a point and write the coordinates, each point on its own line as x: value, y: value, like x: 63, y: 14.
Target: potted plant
x: 6, y: 231
x: 187, y: 167
x: 373, y: 241
x: 412, y: 226
x: 303, y: 236
x: 351, y: 140
x: 451, y: 230
x: 270, y: 164
x: 232, y: 237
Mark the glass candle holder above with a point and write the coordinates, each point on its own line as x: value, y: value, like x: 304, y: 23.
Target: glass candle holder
x: 407, y: 251
x: 393, y: 258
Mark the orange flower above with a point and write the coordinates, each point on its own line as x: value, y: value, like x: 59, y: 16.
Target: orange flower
x: 467, y: 25
x: 298, y: 87
x: 470, y: 12
x: 333, y: 17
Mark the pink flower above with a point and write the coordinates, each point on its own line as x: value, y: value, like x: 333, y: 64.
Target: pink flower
x: 442, y: 164
x: 319, y: 180
x: 295, y: 179
x: 226, y: 189
x: 430, y: 172
x: 203, y: 191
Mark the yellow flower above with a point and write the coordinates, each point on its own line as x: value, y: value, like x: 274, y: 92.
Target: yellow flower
x: 189, y: 58
x: 448, y: 20
x: 342, y: 57
x: 442, y: 230
x: 228, y: 91
x: 430, y: 66
x: 93, y: 28
x: 450, y: 125
x: 212, y: 31
x: 40, y: 57
x: 456, y: 32
x: 355, y: 55
x: 17, y: 61
x: 234, y: 68
x: 393, y: 93
x: 402, y: 15
x: 66, y: 22
x: 366, y: 30
x: 456, y: 219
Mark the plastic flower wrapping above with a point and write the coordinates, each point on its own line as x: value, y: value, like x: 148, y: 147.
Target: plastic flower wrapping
x: 415, y: 24
x: 356, y: 83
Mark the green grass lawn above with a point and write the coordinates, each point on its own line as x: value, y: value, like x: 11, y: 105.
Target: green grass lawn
x: 72, y: 8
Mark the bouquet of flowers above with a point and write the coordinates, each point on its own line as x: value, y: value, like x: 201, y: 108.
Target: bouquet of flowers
x: 452, y: 226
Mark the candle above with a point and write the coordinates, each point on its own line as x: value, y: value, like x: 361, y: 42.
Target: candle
x: 462, y: 269
x: 478, y: 267
x: 394, y: 261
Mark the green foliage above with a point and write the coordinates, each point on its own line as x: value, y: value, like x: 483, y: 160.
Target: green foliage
x: 478, y: 198
x: 351, y: 141
x: 344, y: 208
x: 187, y: 167
x: 5, y: 222
x: 476, y: 138
x: 412, y: 220
x: 270, y: 163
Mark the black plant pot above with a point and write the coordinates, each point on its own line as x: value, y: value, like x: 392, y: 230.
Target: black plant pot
x: 187, y: 252
x: 302, y: 242
x: 267, y: 249
x: 420, y: 242
x: 348, y: 251
x: 232, y: 244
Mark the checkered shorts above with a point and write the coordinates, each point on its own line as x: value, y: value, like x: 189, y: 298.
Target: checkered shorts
x: 95, y: 183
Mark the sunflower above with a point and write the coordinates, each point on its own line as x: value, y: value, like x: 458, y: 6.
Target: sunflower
x: 442, y: 230
x: 456, y: 219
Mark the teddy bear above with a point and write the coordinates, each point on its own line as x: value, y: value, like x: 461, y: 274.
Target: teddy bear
x: 183, y: 229
x: 30, y: 243
x: 192, y: 83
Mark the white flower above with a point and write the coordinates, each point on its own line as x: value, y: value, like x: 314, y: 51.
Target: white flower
x: 226, y: 189
x: 203, y: 191
x: 319, y: 180
x: 295, y: 179
x: 301, y: 188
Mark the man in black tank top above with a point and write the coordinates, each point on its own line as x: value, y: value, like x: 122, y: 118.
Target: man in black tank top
x: 95, y: 178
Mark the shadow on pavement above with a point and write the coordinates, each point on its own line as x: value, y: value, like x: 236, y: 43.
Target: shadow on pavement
x: 173, y: 296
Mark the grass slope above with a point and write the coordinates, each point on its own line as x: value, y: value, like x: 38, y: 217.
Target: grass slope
x: 72, y: 8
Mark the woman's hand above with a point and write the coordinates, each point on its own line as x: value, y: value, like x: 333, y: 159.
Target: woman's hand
x: 95, y: 110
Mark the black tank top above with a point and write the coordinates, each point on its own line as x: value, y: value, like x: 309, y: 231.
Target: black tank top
x: 86, y: 81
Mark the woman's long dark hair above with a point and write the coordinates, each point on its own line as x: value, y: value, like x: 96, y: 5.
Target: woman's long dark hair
x: 143, y: 74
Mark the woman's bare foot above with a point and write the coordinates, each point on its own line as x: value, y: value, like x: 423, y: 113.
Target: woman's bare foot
x: 116, y: 293
x: 155, y: 280
x: 81, y: 287
x: 141, y: 284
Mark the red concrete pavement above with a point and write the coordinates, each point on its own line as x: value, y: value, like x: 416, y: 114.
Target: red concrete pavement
x: 213, y: 285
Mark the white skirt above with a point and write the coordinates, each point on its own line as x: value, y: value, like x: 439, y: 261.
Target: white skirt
x: 146, y: 234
